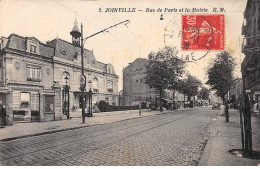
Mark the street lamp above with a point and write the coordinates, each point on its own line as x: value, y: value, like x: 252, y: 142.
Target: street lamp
x: 156, y: 101
x: 78, y: 40
x: 66, y: 98
x: 90, y: 114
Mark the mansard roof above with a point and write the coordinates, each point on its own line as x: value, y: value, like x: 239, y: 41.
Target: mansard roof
x: 67, y: 50
x: 18, y: 42
x: 59, y: 48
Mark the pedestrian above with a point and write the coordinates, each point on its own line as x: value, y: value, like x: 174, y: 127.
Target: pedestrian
x: 258, y: 107
x: 255, y: 107
x: 2, y: 116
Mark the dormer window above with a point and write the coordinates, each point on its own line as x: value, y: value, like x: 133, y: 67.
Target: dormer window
x: 76, y: 56
x: 33, y: 47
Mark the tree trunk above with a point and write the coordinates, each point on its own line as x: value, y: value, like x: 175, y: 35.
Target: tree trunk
x: 226, y: 109
x: 226, y: 112
x: 184, y: 100
x: 160, y: 101
x: 173, y: 103
x: 241, y: 107
x: 248, y: 127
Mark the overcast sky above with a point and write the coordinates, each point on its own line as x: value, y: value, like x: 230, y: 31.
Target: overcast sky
x: 145, y: 33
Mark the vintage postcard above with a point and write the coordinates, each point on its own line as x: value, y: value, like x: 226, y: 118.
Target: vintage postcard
x: 129, y: 83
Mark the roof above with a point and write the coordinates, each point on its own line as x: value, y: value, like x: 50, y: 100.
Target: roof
x: 57, y: 47
x: 19, y: 43
x: 76, y: 28
x: 67, y: 50
x: 138, y: 63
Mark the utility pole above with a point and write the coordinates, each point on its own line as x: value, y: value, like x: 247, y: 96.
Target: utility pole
x: 82, y: 73
x: 83, y: 77
x: 140, y: 105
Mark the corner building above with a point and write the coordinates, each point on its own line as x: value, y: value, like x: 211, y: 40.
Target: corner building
x: 32, y: 77
x: 251, y: 48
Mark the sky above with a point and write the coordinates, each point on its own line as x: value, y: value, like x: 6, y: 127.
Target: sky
x: 48, y: 19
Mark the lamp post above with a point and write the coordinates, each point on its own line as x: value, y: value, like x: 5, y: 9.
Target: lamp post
x: 90, y: 114
x: 83, y: 77
x: 156, y: 101
x: 66, y: 98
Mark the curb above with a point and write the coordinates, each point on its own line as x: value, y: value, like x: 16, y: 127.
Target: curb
x: 79, y: 127
x: 206, y: 152
x: 67, y: 129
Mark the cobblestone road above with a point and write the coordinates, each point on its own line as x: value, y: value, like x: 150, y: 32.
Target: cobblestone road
x: 172, y: 138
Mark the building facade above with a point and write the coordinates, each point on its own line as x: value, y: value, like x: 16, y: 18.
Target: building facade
x: 251, y: 48
x: 236, y: 92
x: 32, y: 78
x: 135, y: 89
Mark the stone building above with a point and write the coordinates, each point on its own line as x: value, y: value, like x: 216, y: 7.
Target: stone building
x: 134, y: 87
x: 32, y: 76
x: 236, y: 91
x: 251, y: 48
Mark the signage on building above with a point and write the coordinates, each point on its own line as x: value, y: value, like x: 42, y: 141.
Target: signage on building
x: 82, y: 81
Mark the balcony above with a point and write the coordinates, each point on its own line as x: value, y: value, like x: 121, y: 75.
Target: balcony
x: 33, y: 79
x: 95, y: 91
x: 251, y: 44
x: 110, y: 90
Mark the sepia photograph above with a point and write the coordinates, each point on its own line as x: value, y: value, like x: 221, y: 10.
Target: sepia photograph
x: 129, y: 83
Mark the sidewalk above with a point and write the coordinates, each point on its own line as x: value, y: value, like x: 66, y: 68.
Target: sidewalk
x: 21, y: 130
x: 227, y: 136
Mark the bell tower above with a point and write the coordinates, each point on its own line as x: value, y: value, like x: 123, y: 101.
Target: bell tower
x: 75, y: 33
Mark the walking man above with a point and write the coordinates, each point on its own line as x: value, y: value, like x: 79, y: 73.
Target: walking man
x: 2, y: 116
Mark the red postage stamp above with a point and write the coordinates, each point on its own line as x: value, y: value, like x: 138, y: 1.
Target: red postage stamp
x: 203, y: 32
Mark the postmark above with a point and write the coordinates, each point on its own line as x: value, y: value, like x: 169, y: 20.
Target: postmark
x: 203, y: 32
x: 198, y: 39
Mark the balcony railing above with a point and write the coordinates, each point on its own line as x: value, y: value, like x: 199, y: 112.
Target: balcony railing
x: 110, y: 90
x: 95, y: 91
x: 33, y: 79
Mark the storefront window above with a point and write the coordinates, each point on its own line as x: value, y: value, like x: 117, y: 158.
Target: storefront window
x: 49, y: 103
x: 25, y: 100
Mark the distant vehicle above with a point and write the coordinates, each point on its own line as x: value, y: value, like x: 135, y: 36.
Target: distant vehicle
x: 216, y: 106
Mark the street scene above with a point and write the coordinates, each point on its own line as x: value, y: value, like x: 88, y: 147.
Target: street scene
x: 112, y: 83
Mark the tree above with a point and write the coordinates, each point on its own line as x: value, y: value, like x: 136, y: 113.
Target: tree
x: 203, y: 93
x: 163, y: 70
x: 189, y: 86
x: 220, y: 77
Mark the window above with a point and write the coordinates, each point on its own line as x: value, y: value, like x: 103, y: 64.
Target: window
x: 141, y: 69
x: 95, y: 85
x: 33, y: 47
x: 33, y: 74
x: 76, y: 56
x: 25, y: 97
x: 49, y: 104
x: 25, y: 100
x: 137, y: 81
x: 109, y: 84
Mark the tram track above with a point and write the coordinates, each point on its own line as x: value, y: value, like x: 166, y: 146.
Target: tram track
x: 84, y: 140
